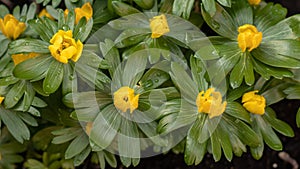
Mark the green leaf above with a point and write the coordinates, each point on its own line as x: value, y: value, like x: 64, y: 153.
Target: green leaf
x: 134, y: 69
x: 242, y: 12
x: 293, y: 92
x: 79, y: 159
x: 221, y: 22
x: 216, y: 147
x: 83, y: 29
x: 268, y: 16
x: 243, y: 131
x: 111, y: 54
x: 69, y: 83
x: 37, y: 102
x: 268, y: 134
x: 277, y: 124
x: 129, y: 143
x: 15, y: 125
x: 187, y: 86
x: 257, y: 152
x: 3, y: 11
x: 209, y: 6
x: 65, y: 135
x: 285, y: 29
x: 236, y: 110
x: 194, y: 151
x: 122, y: 9
x: 275, y: 94
x: 226, y: 3
x: 183, y: 8
x: 15, y: 94
x: 31, y: 11
x: 28, y: 45
x: 40, y: 27
x: 242, y: 69
x: 106, y: 126
x: 153, y: 79
x: 145, y: 4
x: 77, y: 146
x: 223, y: 138
x: 54, y: 77
x: 131, y: 37
x: 55, y: 3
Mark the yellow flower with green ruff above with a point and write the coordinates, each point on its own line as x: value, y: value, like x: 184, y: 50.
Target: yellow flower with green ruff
x: 125, y: 99
x: 11, y: 27
x: 64, y: 47
x: 254, y: 103
x: 249, y: 37
x: 210, y: 102
x: 159, y: 26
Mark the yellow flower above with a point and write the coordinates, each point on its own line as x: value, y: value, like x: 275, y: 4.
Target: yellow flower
x: 125, y: 99
x: 249, y: 37
x: 64, y: 47
x: 85, y: 11
x: 1, y: 99
x: 11, y: 27
x: 254, y: 2
x: 159, y: 26
x: 88, y: 127
x: 18, y: 58
x: 254, y: 103
x: 210, y: 103
x: 45, y: 13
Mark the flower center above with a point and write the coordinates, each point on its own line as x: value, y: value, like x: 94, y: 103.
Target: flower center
x: 159, y: 26
x: 254, y: 103
x: 210, y: 102
x: 125, y: 99
x: 249, y: 37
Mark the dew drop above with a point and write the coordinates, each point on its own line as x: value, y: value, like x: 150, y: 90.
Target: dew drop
x: 156, y: 80
x: 16, y: 98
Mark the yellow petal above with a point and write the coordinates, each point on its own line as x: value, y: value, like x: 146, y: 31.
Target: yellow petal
x: 18, y: 58
x: 76, y: 57
x: 2, y: 27
x: 159, y: 26
x: 19, y: 29
x: 254, y: 2
x: 69, y: 52
x: 1, y: 99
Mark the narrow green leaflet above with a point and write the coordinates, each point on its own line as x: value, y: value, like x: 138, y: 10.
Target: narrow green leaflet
x: 54, y: 77
x: 183, y: 8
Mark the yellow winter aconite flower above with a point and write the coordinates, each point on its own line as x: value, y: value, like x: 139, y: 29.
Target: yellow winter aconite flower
x: 125, y: 99
x: 1, y: 99
x: 254, y: 2
x: 159, y: 26
x: 249, y: 37
x: 18, y: 58
x: 210, y: 102
x: 85, y: 11
x: 11, y: 27
x: 45, y: 13
x: 64, y: 47
x: 254, y: 103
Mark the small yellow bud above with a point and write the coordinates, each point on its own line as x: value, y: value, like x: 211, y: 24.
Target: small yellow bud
x: 249, y: 37
x: 254, y: 103
x: 11, y: 27
x: 159, y: 26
